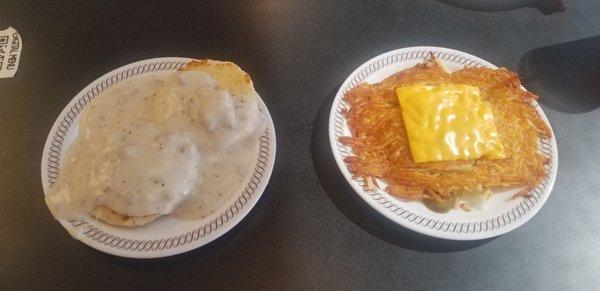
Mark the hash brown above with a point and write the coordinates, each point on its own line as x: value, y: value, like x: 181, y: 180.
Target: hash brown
x: 380, y: 143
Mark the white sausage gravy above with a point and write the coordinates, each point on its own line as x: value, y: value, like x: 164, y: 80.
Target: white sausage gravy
x: 164, y: 143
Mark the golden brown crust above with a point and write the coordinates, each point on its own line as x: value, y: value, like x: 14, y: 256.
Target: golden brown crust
x: 381, y: 147
x: 113, y: 218
x: 227, y: 74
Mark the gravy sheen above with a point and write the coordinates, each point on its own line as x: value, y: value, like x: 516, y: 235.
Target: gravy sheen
x: 167, y: 143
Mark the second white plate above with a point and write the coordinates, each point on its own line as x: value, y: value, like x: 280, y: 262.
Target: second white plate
x: 502, y: 214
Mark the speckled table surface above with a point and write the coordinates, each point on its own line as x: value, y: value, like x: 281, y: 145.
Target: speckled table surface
x: 308, y: 231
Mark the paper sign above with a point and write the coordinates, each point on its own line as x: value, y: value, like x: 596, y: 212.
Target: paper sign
x: 10, y: 52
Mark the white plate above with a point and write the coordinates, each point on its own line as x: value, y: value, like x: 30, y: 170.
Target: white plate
x: 501, y: 215
x: 166, y: 236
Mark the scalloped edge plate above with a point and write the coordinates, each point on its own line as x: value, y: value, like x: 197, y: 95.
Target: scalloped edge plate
x: 501, y: 214
x: 166, y: 236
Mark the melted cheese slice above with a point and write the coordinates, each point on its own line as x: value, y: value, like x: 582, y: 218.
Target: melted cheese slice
x: 448, y: 122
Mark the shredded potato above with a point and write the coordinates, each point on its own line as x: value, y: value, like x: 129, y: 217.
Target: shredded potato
x: 380, y: 143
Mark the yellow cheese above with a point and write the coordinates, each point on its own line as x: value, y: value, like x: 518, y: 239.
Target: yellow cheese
x: 448, y: 122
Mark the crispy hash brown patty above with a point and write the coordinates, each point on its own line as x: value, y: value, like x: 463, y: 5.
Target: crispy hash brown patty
x: 381, y: 148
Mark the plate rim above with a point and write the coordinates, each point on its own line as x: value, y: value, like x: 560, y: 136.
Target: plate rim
x: 369, y: 67
x: 189, y: 243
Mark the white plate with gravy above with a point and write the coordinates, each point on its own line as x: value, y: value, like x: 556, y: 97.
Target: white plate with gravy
x: 159, y: 157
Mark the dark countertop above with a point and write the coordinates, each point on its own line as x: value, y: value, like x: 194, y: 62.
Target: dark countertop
x: 298, y: 52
